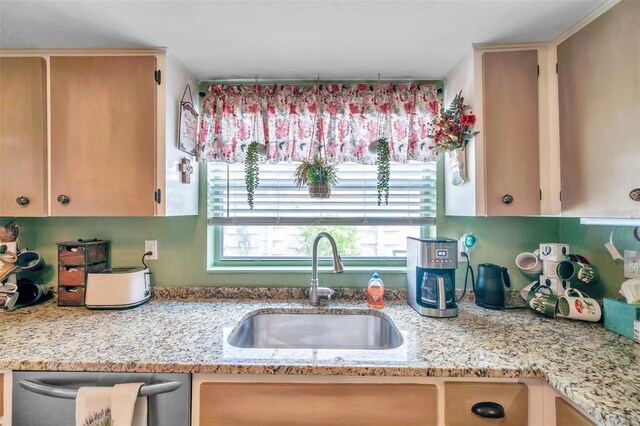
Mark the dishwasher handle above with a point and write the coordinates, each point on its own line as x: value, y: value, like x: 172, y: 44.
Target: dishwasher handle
x: 36, y: 386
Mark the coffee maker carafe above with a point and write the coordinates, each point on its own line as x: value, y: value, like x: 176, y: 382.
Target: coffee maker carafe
x: 431, y: 266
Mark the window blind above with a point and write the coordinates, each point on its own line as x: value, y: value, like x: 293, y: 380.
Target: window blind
x: 353, y: 201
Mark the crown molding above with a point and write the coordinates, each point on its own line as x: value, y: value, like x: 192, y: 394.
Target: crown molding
x: 82, y: 51
x: 584, y: 21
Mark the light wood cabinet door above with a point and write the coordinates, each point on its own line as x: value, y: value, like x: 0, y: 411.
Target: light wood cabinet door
x: 510, y: 126
x: 599, y: 94
x: 333, y: 404
x: 567, y: 415
x: 103, y: 135
x: 461, y: 397
x: 23, y: 166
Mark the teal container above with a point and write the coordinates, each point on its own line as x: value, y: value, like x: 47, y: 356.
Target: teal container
x: 619, y: 316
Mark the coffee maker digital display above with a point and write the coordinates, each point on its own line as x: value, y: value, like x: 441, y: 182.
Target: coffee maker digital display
x: 431, y: 266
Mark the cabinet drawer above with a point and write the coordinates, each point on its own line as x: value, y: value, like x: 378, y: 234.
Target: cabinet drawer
x: 460, y: 397
x: 71, y: 296
x: 76, y: 275
x: 317, y: 404
x: 80, y: 255
x: 567, y: 415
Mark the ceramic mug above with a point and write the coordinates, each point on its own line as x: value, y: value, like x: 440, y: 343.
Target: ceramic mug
x: 580, y: 307
x: 529, y: 263
x: 30, y: 261
x: 542, y: 300
x: 578, y: 272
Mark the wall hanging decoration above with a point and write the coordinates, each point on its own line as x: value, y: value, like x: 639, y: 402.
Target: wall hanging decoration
x: 186, y: 169
x: 188, y: 124
x: 451, y: 133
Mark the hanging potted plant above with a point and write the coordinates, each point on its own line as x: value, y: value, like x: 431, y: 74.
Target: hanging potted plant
x: 252, y: 170
x: 452, y: 133
x: 318, y: 175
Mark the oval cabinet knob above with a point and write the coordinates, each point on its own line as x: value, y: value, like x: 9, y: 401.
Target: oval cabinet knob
x: 507, y: 199
x: 488, y: 410
x: 22, y: 200
x: 635, y: 194
x: 63, y: 199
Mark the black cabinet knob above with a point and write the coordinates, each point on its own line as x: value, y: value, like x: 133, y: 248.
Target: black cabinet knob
x: 635, y: 194
x: 63, y: 199
x: 488, y: 410
x: 22, y: 200
x: 507, y: 199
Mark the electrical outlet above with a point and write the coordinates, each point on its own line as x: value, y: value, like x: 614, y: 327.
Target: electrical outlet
x: 461, y: 249
x: 151, y: 246
x: 465, y: 243
x: 631, y: 264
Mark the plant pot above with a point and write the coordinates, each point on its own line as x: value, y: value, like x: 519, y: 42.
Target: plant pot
x: 319, y: 190
x: 458, y: 163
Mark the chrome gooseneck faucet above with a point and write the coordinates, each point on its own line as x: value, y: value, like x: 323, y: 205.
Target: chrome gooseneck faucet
x: 316, y: 293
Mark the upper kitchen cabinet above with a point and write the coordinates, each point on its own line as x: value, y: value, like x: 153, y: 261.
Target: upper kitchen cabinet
x: 506, y: 86
x: 599, y: 97
x: 103, y: 135
x: 114, y: 126
x: 23, y: 136
x: 112, y: 134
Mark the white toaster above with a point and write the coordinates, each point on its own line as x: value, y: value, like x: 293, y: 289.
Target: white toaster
x: 117, y: 288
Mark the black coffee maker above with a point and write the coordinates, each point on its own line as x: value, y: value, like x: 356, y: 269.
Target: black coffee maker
x: 431, y: 276
x: 490, y: 286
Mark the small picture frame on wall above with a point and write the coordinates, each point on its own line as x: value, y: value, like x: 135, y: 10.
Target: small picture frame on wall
x: 188, y: 125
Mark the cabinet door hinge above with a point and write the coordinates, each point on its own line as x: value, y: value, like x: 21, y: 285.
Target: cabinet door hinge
x: 538, y: 70
x: 157, y: 196
x: 157, y: 76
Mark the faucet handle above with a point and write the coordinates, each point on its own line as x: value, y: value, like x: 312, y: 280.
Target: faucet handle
x: 325, y: 292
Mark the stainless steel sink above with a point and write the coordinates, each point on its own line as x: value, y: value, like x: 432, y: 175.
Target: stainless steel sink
x: 316, y: 331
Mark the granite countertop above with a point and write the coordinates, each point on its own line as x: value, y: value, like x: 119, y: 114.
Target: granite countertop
x: 596, y: 369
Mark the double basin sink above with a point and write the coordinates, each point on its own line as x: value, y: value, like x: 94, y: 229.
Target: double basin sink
x: 316, y: 331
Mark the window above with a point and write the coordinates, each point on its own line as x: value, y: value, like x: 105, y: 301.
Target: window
x: 284, y: 220
x: 342, y: 123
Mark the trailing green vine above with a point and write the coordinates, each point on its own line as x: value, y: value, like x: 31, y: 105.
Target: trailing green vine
x: 251, y: 170
x: 384, y: 171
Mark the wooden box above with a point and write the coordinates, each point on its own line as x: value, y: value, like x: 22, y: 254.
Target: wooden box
x: 75, y: 260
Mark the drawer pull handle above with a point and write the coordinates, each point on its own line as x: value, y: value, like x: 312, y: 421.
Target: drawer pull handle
x: 488, y: 410
x: 507, y: 199
x: 54, y: 391
x: 63, y: 199
x: 22, y: 200
x: 635, y: 194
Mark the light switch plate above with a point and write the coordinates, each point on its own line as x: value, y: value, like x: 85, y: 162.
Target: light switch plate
x: 631, y: 264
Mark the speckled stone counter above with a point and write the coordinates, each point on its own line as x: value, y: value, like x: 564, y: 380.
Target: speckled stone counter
x: 596, y: 369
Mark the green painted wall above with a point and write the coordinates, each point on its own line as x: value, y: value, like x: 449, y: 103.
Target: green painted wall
x: 589, y: 241
x: 182, y: 245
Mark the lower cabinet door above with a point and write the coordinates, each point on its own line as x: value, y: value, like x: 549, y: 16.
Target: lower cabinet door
x: 317, y: 404
x: 567, y: 415
x: 461, y: 397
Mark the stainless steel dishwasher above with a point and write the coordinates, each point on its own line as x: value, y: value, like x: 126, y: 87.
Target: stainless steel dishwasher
x: 43, y: 398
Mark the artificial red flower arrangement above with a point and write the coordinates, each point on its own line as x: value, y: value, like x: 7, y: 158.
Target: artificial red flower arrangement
x: 452, y: 127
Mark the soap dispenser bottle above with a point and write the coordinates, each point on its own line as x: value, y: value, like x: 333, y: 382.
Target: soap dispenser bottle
x: 376, y: 292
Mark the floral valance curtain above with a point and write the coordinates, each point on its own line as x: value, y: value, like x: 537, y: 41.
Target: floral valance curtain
x: 339, y: 119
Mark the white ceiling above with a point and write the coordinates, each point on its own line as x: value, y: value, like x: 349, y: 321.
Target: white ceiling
x: 292, y: 39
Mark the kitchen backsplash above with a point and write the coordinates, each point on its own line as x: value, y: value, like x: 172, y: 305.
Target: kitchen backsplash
x: 182, y: 245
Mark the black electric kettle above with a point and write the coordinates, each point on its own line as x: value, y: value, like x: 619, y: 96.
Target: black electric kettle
x: 489, y: 288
